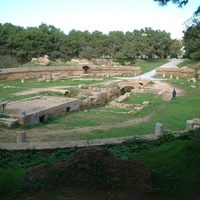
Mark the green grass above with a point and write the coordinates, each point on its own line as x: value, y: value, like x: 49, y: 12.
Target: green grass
x: 174, y: 162
x: 173, y: 115
x: 192, y: 64
x: 149, y: 64
x: 175, y: 166
x: 9, y: 88
x: 51, y: 63
x: 8, y: 182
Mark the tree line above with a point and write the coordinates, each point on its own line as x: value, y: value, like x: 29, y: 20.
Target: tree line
x: 26, y: 43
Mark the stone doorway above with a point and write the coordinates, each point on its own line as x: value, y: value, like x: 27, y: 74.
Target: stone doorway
x: 68, y: 109
x: 42, y: 118
x: 86, y: 69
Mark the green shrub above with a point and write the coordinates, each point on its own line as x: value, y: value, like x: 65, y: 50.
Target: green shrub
x: 8, y: 62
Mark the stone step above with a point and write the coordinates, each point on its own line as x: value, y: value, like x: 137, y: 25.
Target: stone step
x: 9, y: 122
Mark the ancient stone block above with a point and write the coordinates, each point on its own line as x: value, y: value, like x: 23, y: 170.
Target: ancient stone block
x: 189, y: 124
x: 159, y: 128
x: 21, y: 137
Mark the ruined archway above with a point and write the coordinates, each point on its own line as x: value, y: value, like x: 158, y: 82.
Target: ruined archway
x: 125, y: 89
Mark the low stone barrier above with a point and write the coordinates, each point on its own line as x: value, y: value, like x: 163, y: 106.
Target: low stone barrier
x: 176, y: 72
x: 57, y: 72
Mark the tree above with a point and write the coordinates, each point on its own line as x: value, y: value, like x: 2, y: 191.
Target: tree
x: 24, y: 44
x: 87, y: 52
x: 10, y: 37
x: 191, y: 41
x: 114, y: 41
x: 176, y: 49
x: 98, y: 42
x: 76, y: 41
x: 177, y: 2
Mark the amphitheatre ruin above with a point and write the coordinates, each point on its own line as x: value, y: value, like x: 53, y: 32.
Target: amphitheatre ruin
x: 30, y: 111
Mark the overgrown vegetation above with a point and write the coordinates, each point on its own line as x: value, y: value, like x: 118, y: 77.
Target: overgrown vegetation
x: 8, y: 62
x: 191, y: 63
x: 174, y: 162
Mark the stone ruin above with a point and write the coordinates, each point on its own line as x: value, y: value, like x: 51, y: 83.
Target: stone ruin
x: 116, y: 95
x: 38, y: 109
x: 176, y: 72
x: 42, y: 61
x: 63, y: 72
x: 193, y: 124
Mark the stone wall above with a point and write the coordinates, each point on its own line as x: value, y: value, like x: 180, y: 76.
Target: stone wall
x: 176, y: 72
x: 43, y: 115
x: 65, y: 71
x: 38, y: 72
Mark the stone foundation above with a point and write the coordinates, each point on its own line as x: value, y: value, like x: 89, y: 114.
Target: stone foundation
x: 176, y: 72
x: 34, y: 111
x: 65, y: 71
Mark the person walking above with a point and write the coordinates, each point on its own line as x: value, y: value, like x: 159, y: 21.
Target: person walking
x: 174, y: 95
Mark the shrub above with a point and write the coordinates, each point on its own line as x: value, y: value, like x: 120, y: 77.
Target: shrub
x: 8, y: 62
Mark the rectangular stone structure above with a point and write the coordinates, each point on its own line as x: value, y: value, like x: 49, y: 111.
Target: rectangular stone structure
x: 159, y: 128
x: 189, y: 125
x: 21, y: 137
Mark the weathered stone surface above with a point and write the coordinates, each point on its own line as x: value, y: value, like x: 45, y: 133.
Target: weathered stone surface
x: 112, y: 93
x: 56, y: 76
x: 9, y: 122
x: 131, y: 85
x: 39, y: 72
x: 145, y: 102
x: 98, y: 98
x: 40, y: 108
x: 176, y: 72
x: 114, y: 104
x: 82, y: 86
x: 196, y: 121
x: 159, y: 128
x: 34, y: 59
x: 189, y: 125
x: 66, y: 93
x: 85, y: 104
x: 43, y: 61
x: 123, y: 97
x: 21, y: 137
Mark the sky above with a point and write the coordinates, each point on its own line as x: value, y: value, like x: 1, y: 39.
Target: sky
x: 100, y: 15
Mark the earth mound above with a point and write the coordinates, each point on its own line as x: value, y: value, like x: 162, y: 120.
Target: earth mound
x: 91, y: 173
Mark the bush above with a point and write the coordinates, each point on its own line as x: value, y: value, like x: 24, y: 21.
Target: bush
x: 8, y: 62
